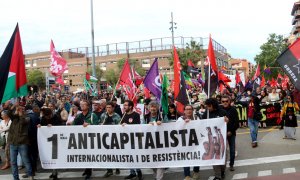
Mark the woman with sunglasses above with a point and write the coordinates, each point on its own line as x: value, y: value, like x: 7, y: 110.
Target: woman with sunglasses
x: 289, y: 118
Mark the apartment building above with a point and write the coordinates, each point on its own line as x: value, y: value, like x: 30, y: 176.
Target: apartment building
x: 106, y: 57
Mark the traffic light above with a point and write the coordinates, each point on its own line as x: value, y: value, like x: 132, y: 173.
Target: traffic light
x: 70, y: 82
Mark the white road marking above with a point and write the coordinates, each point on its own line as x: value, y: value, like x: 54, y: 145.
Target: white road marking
x: 265, y: 173
x: 240, y: 176
x: 245, y: 162
x: 288, y: 170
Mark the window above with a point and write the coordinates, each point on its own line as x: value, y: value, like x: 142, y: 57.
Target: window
x: 145, y: 63
x: 27, y: 63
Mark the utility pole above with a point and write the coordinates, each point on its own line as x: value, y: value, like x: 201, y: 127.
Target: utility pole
x: 173, y: 26
x: 93, y: 45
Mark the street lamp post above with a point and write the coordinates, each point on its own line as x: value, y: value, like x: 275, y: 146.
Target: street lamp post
x: 173, y: 26
x: 93, y: 45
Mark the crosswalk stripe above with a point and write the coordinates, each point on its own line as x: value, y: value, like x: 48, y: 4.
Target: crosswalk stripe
x: 265, y: 173
x: 288, y: 170
x: 240, y: 176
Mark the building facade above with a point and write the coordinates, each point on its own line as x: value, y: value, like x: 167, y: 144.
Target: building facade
x: 295, y: 33
x: 106, y: 57
x: 242, y: 66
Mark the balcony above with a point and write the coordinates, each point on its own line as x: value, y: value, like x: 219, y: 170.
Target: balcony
x: 296, y: 17
x: 296, y: 28
x: 295, y: 7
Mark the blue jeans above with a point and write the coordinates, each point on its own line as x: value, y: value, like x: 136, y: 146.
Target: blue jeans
x: 23, y: 150
x: 253, y: 125
x: 231, y: 142
x: 132, y: 171
x: 187, y: 172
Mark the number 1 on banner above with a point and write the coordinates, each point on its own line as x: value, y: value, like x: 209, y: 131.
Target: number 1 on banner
x: 54, y: 145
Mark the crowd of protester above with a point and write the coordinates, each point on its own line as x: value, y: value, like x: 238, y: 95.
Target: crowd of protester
x: 22, y: 116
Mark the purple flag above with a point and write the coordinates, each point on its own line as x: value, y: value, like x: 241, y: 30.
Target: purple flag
x: 152, y: 80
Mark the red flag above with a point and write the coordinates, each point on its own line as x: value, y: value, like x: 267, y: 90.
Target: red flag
x: 262, y: 82
x: 177, y: 69
x: 238, y: 82
x: 58, y: 65
x: 60, y: 80
x: 87, y: 76
x: 222, y: 77
x: 190, y: 63
x: 273, y: 83
x: 146, y: 93
x: 138, y: 78
x: 211, y: 56
x: 237, y: 78
x: 257, y: 73
x: 126, y: 81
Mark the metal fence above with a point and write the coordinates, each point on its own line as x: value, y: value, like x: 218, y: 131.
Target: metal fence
x: 156, y: 44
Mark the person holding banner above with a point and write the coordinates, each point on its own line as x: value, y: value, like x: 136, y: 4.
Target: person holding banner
x: 288, y: 115
x: 85, y: 118
x: 131, y: 117
x: 213, y: 111
x: 188, y: 115
x: 49, y: 119
x: 110, y: 118
x: 154, y: 117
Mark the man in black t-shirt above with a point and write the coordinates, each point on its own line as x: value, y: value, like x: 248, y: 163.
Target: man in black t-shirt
x: 131, y: 117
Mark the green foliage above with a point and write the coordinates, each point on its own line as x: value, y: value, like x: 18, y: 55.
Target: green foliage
x: 99, y: 72
x: 192, y: 51
x: 270, y: 50
x: 133, y: 63
x: 36, y: 77
x: 111, y: 76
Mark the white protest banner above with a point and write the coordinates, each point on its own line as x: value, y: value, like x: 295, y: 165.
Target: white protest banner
x: 176, y: 144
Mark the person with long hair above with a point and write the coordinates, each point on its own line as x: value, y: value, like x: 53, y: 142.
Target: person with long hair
x: 288, y: 116
x: 172, y: 113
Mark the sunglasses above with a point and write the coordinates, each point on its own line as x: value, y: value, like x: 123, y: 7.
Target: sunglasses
x: 224, y: 101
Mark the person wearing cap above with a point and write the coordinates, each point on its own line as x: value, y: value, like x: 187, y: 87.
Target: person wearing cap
x: 18, y: 140
x: 4, y: 128
x: 99, y: 107
x: 117, y: 108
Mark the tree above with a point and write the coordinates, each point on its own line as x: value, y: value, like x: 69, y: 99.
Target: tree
x: 37, y: 78
x: 192, y: 51
x: 270, y: 50
x: 111, y: 76
x: 133, y: 63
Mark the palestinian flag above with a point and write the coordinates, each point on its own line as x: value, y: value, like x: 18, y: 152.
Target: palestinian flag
x: 289, y: 61
x: 90, y: 77
x: 13, y: 82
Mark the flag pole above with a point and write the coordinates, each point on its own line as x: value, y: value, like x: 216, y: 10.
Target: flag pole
x: 208, y: 92
x: 114, y: 92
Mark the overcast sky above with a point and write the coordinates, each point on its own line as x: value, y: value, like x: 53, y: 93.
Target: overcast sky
x: 241, y: 26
